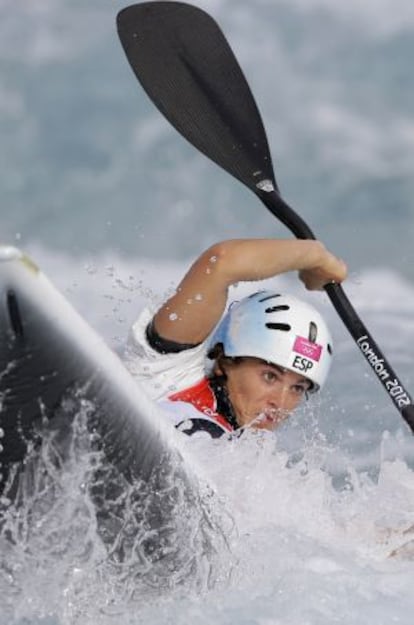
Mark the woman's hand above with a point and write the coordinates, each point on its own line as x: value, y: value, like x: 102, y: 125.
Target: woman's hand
x: 326, y: 268
x: 196, y: 307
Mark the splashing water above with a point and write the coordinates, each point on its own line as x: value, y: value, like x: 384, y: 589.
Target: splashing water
x: 309, y: 525
x: 78, y: 541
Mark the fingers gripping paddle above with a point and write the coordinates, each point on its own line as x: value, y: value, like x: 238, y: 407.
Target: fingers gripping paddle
x: 186, y: 66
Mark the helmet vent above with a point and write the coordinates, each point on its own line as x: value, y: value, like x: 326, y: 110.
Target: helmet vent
x: 313, y: 332
x: 265, y: 299
x: 285, y: 327
x: 273, y: 309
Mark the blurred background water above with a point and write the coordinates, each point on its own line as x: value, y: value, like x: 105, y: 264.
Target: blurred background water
x: 89, y: 164
x: 114, y: 205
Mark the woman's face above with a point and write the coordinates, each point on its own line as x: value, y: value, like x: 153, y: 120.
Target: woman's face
x: 262, y: 394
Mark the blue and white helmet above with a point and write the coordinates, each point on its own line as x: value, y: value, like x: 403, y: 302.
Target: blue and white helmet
x: 280, y: 329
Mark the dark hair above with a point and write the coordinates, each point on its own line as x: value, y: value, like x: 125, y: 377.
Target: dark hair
x: 216, y: 351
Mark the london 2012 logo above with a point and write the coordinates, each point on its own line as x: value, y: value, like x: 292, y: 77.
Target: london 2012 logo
x: 392, y: 384
x: 306, y: 348
x: 308, y: 354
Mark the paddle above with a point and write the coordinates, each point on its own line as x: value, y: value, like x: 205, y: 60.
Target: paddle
x: 186, y: 66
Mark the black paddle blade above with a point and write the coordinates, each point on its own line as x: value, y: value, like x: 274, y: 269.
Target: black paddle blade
x: 183, y: 61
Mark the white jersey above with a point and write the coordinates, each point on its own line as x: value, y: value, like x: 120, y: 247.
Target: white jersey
x: 162, y: 374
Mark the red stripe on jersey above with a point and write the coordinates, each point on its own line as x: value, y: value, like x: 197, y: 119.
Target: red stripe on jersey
x: 201, y: 396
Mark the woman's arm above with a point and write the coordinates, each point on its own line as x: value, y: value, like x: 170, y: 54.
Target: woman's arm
x: 193, y: 311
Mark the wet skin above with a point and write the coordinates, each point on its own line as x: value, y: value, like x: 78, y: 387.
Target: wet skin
x: 262, y: 394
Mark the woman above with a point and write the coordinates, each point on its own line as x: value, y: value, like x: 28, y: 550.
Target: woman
x: 265, y: 355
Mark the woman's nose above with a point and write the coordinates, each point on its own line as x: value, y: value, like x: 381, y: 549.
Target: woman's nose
x: 278, y: 397
x: 282, y: 399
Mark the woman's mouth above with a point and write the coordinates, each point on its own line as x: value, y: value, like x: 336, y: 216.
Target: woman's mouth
x: 268, y: 419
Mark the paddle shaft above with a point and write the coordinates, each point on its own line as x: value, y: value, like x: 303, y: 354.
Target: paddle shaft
x: 370, y: 350
x: 186, y: 66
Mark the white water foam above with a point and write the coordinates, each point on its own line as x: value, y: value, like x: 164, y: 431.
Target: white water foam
x: 317, y: 529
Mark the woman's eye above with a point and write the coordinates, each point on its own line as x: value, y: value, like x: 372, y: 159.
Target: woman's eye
x: 299, y: 389
x: 270, y: 376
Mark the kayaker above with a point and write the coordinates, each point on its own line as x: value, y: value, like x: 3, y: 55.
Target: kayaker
x: 254, y: 365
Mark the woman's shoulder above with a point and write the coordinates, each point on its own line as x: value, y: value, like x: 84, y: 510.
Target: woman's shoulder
x: 161, y: 373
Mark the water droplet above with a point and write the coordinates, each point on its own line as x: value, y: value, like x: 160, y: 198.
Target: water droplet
x: 198, y: 297
x: 173, y: 317
x: 213, y: 259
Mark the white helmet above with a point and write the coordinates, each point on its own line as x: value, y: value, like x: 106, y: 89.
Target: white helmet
x: 280, y: 329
